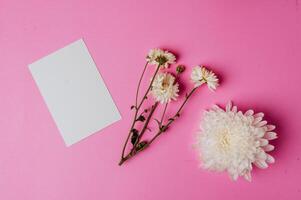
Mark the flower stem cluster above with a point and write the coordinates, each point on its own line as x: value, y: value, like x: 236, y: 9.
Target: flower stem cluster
x: 164, y: 88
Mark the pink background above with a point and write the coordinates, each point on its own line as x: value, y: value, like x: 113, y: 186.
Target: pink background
x: 254, y: 46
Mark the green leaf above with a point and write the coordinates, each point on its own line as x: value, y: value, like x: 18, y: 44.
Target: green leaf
x: 141, y: 145
x: 141, y: 118
x: 134, y: 136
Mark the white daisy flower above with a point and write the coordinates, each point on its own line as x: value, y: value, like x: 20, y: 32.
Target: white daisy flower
x: 232, y: 141
x: 160, y: 57
x: 201, y: 75
x: 164, y: 88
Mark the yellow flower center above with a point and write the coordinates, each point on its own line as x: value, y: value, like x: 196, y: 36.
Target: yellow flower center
x: 161, y: 60
x: 224, y: 140
x: 165, y: 84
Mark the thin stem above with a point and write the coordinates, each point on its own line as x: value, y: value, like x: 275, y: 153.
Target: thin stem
x: 163, y: 114
x: 136, y: 112
x: 133, y: 153
x: 146, y: 124
x: 137, y: 108
x: 128, y: 137
x: 124, y: 159
x: 186, y: 99
x: 139, y: 83
x: 175, y: 116
x: 149, y: 87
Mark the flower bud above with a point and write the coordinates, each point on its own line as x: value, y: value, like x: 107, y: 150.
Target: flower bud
x: 180, y: 69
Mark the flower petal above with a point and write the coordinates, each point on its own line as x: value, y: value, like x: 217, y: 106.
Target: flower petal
x: 268, y: 148
x: 234, y: 176
x: 260, y: 133
x: 229, y: 106
x: 270, y: 135
x: 257, y: 120
x: 270, y: 127
x: 270, y: 159
x: 234, y: 109
x: 261, y: 114
x: 262, y: 123
x: 263, y: 142
x: 249, y: 113
x: 261, y: 164
x: 248, y: 176
x: 261, y: 155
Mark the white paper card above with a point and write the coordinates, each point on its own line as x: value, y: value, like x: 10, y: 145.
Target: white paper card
x: 74, y: 92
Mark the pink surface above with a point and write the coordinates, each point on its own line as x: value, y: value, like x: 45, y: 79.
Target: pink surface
x: 253, y: 45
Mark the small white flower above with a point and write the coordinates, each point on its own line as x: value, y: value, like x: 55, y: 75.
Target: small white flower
x: 232, y: 141
x: 160, y: 57
x: 201, y: 75
x: 164, y: 88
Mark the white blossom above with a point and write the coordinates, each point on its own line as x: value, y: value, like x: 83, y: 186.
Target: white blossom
x: 164, y: 88
x: 160, y: 57
x: 233, y: 141
x: 201, y: 75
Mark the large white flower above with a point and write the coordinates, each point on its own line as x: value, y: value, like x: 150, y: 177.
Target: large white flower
x: 160, y: 57
x: 201, y: 75
x: 232, y: 141
x: 164, y: 88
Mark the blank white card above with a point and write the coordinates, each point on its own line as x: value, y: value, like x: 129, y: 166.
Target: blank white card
x: 74, y: 92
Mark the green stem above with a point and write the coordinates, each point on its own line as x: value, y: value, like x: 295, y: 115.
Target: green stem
x: 163, y: 114
x: 139, y: 83
x: 149, y: 87
x: 175, y: 116
x: 137, y: 108
x: 145, y: 125
x: 133, y: 153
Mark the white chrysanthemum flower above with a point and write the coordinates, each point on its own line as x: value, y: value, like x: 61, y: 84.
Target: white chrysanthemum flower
x: 160, y: 57
x: 164, y: 88
x: 232, y: 141
x: 201, y: 75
